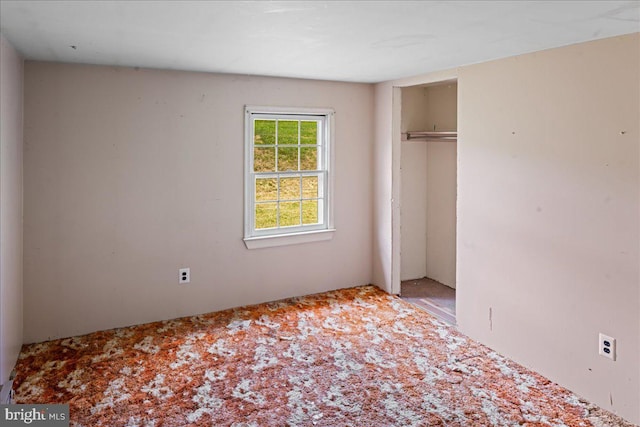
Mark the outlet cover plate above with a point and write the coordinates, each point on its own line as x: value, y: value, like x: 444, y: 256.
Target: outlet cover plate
x: 184, y: 275
x: 607, y: 346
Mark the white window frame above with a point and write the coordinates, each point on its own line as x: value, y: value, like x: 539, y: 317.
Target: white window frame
x: 324, y: 230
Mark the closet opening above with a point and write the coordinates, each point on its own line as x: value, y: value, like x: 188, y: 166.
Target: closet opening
x: 428, y: 190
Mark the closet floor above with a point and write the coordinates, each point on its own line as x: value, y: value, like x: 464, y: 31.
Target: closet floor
x: 431, y: 296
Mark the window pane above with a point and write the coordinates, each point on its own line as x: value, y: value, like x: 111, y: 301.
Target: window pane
x: 288, y: 132
x: 290, y: 188
x: 266, y: 215
x: 309, y: 212
x: 308, y: 158
x: 309, y: 187
x: 289, y: 214
x: 264, y: 159
x: 308, y: 133
x: 287, y: 181
x: 264, y: 132
x: 266, y: 189
x: 288, y: 159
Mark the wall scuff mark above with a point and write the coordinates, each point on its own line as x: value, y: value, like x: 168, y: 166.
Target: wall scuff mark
x: 490, y: 319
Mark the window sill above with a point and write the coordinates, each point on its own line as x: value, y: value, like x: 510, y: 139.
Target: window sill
x: 288, y: 239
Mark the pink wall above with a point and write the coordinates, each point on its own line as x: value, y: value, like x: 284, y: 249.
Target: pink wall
x: 10, y: 207
x: 549, y: 213
x: 132, y: 174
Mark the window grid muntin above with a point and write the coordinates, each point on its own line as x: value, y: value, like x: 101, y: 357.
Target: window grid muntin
x: 322, y: 179
x: 321, y: 121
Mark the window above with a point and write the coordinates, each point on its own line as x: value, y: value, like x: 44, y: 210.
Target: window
x: 288, y: 176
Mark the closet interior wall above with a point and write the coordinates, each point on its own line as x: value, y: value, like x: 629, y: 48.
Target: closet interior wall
x: 428, y: 185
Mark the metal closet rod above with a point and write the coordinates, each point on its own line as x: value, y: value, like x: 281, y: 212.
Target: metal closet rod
x: 429, y: 136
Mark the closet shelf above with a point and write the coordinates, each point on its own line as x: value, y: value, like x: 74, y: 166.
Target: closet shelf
x: 429, y: 136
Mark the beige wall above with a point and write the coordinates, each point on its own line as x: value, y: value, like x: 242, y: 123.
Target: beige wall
x: 10, y: 207
x: 549, y: 212
x: 428, y: 185
x: 442, y: 111
x: 441, y: 211
x: 132, y: 174
x: 413, y: 210
x: 413, y: 186
x: 383, y: 203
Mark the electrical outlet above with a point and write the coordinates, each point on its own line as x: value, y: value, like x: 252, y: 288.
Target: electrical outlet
x: 607, y: 346
x: 184, y: 275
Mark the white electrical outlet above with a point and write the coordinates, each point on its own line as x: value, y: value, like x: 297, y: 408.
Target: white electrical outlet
x: 607, y: 346
x: 184, y: 275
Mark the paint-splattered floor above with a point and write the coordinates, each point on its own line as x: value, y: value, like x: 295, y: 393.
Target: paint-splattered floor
x: 352, y: 357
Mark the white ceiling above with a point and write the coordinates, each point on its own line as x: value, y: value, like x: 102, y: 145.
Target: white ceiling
x: 358, y: 41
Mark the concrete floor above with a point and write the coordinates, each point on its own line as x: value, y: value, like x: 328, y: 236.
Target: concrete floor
x: 431, y: 296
